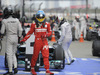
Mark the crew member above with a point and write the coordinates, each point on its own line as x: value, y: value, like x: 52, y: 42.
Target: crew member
x: 76, y: 24
x: 83, y: 26
x: 65, y: 40
x: 13, y: 30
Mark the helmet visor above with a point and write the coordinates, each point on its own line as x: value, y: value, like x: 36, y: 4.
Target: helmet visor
x: 40, y: 19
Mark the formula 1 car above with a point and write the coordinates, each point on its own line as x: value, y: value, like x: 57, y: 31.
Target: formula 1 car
x: 56, y: 58
x: 92, y: 32
x: 25, y: 52
x: 96, y: 45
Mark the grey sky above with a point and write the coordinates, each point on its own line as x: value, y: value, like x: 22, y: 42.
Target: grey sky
x: 63, y: 3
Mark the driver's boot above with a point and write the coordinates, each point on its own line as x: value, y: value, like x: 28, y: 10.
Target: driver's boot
x: 33, y: 71
x: 48, y: 72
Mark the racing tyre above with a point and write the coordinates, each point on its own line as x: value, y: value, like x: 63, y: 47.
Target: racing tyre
x: 96, y: 48
x: 89, y: 36
x: 59, y: 54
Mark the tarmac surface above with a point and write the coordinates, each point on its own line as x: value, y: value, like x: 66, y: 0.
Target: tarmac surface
x: 85, y: 63
x: 78, y: 49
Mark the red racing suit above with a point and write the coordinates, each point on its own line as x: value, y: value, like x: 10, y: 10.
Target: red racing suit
x: 41, y: 43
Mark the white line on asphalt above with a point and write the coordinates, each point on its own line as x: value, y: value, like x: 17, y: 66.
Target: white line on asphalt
x: 84, y: 59
x: 51, y: 71
x: 96, y: 59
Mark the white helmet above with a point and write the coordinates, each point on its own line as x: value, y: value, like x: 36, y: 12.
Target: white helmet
x: 76, y: 15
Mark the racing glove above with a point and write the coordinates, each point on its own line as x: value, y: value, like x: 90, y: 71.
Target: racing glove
x: 22, y: 41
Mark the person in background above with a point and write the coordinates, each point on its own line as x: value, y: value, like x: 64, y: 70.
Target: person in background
x: 57, y: 20
x: 76, y: 26
x: 41, y: 30
x: 33, y: 18
x: 52, y: 23
x: 83, y: 26
x: 5, y: 14
x: 13, y: 30
x: 17, y: 14
x: 1, y: 15
x: 65, y: 40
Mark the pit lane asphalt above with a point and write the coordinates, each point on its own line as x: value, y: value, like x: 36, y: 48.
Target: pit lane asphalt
x: 85, y: 63
x: 81, y: 49
x: 78, y: 49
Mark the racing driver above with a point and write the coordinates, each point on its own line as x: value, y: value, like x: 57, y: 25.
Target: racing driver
x: 41, y: 30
